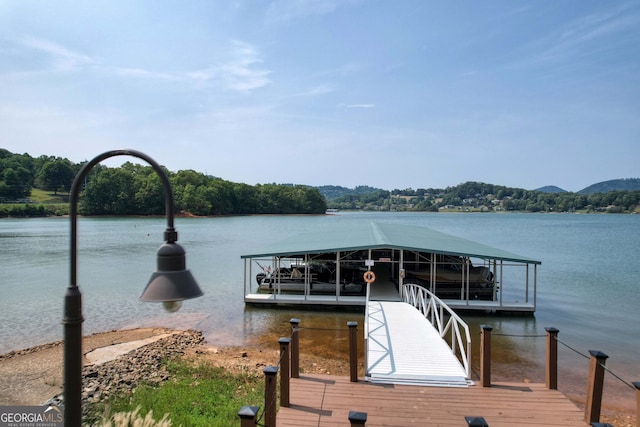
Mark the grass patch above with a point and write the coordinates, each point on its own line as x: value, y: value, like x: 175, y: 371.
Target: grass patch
x: 48, y: 197
x: 39, y: 204
x: 199, y: 394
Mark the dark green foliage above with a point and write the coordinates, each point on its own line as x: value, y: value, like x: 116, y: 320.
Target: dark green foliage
x: 24, y: 211
x: 332, y: 192
x: 16, y: 175
x: 56, y: 175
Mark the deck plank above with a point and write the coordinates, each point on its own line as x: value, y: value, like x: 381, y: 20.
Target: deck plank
x: 324, y: 400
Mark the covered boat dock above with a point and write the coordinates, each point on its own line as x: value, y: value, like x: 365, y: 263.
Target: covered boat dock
x: 326, y: 267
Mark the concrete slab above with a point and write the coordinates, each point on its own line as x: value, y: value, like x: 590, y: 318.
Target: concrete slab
x: 105, y: 354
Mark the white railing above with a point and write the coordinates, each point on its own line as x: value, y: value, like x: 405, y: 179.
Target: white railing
x: 444, y: 319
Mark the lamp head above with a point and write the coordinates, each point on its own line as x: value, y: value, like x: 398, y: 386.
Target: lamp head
x: 172, y: 283
x: 171, y: 306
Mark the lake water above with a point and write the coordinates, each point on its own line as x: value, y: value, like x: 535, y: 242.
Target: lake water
x: 587, y: 285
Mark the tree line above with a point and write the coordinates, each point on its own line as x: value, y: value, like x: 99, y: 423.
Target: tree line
x: 477, y: 196
x: 133, y: 189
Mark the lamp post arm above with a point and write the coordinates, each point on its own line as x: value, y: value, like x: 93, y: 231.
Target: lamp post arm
x: 73, y: 357
x: 170, y: 234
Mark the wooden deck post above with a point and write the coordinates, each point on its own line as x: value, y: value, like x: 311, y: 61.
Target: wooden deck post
x: 476, y: 422
x: 485, y: 356
x: 637, y: 386
x: 357, y: 418
x: 270, y: 395
x: 248, y: 415
x: 595, y: 386
x: 285, y: 371
x: 552, y: 358
x: 295, y: 348
x: 353, y: 351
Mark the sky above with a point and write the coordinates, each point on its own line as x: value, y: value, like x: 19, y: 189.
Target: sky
x: 390, y: 94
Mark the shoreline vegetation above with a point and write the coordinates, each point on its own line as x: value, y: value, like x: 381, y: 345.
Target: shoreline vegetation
x: 168, y: 371
x: 53, y: 209
x: 39, y: 187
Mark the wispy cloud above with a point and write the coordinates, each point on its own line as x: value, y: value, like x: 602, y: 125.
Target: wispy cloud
x: 145, y: 74
x: 238, y: 70
x: 589, y: 34
x: 360, y: 106
x: 322, y: 89
x: 62, y: 58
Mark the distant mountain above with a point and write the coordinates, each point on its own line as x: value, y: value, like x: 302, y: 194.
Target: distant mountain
x: 550, y: 189
x: 626, y: 184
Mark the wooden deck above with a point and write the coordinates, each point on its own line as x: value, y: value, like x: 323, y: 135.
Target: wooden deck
x: 324, y: 400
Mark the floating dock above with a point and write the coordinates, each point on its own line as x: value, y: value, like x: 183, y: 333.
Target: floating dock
x: 325, y: 268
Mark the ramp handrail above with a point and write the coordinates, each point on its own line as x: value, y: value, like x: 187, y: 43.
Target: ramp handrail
x: 434, y: 309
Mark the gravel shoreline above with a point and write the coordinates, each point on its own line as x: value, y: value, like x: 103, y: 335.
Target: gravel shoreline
x: 125, y: 373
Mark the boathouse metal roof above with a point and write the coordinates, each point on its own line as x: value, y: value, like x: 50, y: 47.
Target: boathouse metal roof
x: 374, y: 235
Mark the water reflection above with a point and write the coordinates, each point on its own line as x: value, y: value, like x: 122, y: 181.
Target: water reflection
x: 323, y: 332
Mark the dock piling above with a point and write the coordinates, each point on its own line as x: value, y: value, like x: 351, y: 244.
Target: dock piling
x: 295, y: 347
x: 270, y: 395
x: 357, y: 418
x: 637, y: 386
x: 353, y: 351
x: 485, y: 356
x: 552, y: 358
x: 248, y: 415
x: 285, y: 371
x: 595, y: 386
x: 476, y: 422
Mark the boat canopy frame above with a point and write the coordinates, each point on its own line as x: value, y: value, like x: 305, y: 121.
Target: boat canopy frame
x: 374, y: 243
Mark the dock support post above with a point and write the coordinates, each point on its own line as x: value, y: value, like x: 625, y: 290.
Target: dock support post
x: 285, y: 371
x: 248, y: 415
x: 552, y: 358
x: 595, y: 386
x: 476, y: 422
x: 485, y: 356
x: 357, y: 418
x: 637, y: 386
x: 270, y: 395
x: 353, y: 351
x: 295, y: 347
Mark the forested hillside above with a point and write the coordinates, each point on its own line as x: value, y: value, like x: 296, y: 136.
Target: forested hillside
x: 133, y: 189
x: 481, y: 197
x: 39, y: 186
x: 628, y: 184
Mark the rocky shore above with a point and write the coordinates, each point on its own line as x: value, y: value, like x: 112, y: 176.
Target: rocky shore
x: 124, y: 373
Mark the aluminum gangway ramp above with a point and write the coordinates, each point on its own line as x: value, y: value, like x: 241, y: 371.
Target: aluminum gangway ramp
x: 405, y: 348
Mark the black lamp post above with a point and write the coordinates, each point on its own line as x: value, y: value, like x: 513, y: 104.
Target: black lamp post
x: 171, y: 284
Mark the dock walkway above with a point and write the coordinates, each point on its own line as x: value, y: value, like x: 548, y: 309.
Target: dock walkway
x: 405, y: 348
x: 325, y: 400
